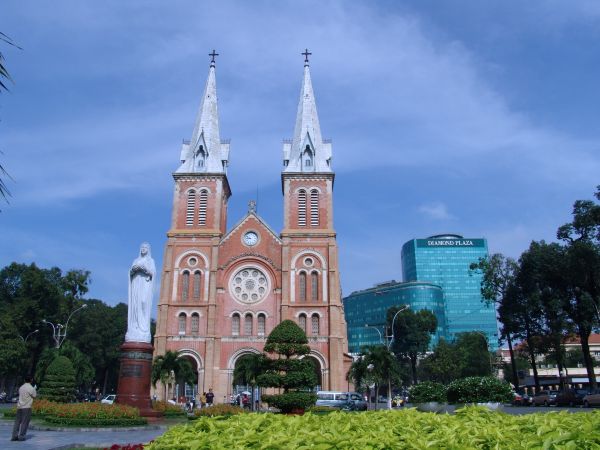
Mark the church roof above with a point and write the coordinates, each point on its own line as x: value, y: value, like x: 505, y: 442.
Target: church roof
x: 251, y: 214
x: 307, y: 143
x: 205, y: 153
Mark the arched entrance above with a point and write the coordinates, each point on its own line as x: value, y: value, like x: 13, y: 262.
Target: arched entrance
x: 317, y: 370
x: 185, y: 390
x: 245, y: 367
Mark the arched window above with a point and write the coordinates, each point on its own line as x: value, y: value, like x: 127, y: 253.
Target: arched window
x: 182, y: 323
x: 248, y: 324
x: 301, y: 208
x: 200, y: 157
x: 202, y: 207
x: 191, y: 205
x: 302, y: 286
x: 197, y: 280
x: 235, y: 324
x: 261, y: 324
x: 302, y: 322
x: 314, y: 208
x: 315, y: 324
x: 195, y: 323
x: 185, y: 286
x: 314, y: 286
x: 307, y: 158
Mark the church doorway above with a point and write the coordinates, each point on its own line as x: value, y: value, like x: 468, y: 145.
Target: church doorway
x: 184, y: 389
x: 317, y: 370
x: 244, y: 391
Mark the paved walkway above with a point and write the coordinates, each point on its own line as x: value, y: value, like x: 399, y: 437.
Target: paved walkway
x: 54, y: 440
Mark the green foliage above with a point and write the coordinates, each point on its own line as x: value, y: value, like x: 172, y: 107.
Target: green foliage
x: 479, y: 390
x: 75, y: 422
x: 84, y: 371
x: 469, y: 428
x: 13, y: 357
x: 443, y: 365
x: 288, y: 371
x: 219, y: 410
x: 170, y: 362
x: 59, y: 381
x: 167, y: 409
x: 427, y: 391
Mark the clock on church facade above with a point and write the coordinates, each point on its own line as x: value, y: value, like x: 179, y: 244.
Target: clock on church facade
x: 224, y: 290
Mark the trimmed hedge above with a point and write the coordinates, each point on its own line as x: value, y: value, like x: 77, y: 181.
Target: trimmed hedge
x: 93, y: 423
x: 59, y: 381
x: 427, y: 391
x: 479, y: 390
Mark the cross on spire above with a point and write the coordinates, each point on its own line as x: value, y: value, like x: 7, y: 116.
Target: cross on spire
x: 212, y: 55
x: 306, y: 54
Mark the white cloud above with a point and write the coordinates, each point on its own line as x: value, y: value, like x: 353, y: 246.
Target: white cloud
x: 436, y: 210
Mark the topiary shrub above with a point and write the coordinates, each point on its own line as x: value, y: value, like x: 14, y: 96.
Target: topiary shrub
x: 288, y: 372
x: 59, y: 381
x: 427, y: 391
x: 479, y: 390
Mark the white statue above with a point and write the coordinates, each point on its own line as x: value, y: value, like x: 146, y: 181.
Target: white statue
x: 141, y: 283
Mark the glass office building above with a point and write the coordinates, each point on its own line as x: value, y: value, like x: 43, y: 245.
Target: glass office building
x: 366, y: 310
x: 445, y: 260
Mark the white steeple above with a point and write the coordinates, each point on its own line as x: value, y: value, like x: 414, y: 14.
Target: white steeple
x: 205, y: 153
x: 307, y: 152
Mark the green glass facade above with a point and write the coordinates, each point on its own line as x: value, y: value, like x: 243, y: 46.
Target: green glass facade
x: 366, y: 310
x: 445, y: 260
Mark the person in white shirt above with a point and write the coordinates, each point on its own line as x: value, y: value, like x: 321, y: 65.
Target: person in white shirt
x: 26, y: 395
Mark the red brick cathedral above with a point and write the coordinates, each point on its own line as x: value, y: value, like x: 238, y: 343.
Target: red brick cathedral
x: 222, y: 292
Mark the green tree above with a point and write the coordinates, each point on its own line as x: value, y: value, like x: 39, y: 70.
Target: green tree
x: 382, y: 367
x: 289, y: 371
x: 58, y: 384
x: 247, y: 369
x: 442, y: 365
x: 582, y: 238
x: 84, y: 371
x: 171, y: 367
x: 472, y: 353
x: 412, y: 334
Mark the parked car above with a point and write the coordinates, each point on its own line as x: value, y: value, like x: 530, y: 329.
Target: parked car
x: 346, y: 400
x: 545, y: 398
x: 592, y: 399
x: 521, y: 399
x: 571, y: 397
x: 109, y: 399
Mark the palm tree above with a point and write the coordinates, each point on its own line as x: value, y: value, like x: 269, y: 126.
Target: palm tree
x: 247, y: 369
x: 4, y: 75
x: 382, y: 366
x: 170, y: 367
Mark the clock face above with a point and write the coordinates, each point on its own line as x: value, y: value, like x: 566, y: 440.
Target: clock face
x: 250, y: 238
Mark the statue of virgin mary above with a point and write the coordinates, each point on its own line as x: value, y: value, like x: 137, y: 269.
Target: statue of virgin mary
x: 141, y: 284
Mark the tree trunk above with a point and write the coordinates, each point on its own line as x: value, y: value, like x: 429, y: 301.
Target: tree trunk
x: 105, y: 382
x: 413, y: 368
x: 389, y: 394
x: 587, y: 358
x: 513, y: 363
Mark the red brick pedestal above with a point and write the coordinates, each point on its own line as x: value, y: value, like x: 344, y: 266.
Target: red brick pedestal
x: 134, y: 377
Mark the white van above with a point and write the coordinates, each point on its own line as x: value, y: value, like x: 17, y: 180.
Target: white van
x: 335, y: 399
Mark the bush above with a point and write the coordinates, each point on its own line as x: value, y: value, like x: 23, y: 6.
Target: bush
x: 40, y: 408
x: 479, y: 390
x: 470, y: 428
x: 59, y: 381
x: 75, y: 422
x: 168, y: 409
x: 427, y: 391
x: 218, y: 411
x: 290, y: 401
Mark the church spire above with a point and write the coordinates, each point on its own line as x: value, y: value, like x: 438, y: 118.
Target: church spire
x: 205, y: 153
x: 307, y: 152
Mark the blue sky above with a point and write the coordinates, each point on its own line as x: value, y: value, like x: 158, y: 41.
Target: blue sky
x: 479, y: 118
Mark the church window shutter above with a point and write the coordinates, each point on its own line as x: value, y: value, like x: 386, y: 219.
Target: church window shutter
x: 302, y: 322
x: 248, y: 325
x: 182, y: 323
x: 261, y: 324
x: 314, y: 286
x: 235, y: 325
x: 302, y: 286
x: 202, y: 207
x: 314, y: 208
x: 302, y: 208
x: 185, y: 286
x: 315, y: 324
x: 191, y: 205
x: 195, y: 323
x: 197, y: 281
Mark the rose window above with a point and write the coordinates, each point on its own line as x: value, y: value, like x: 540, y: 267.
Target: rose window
x: 249, y: 285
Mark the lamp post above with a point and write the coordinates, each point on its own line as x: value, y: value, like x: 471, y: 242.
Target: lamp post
x: 392, y: 337
x: 24, y: 339
x: 59, y: 331
x: 378, y: 331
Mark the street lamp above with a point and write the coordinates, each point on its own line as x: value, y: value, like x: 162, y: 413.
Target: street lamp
x: 378, y: 331
x: 24, y: 339
x: 59, y: 331
x: 392, y: 337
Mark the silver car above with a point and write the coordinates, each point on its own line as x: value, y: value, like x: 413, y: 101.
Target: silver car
x: 592, y: 399
x: 342, y: 400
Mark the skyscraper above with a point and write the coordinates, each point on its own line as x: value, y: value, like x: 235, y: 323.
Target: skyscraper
x: 445, y: 260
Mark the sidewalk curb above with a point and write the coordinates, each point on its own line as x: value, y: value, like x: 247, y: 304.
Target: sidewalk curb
x: 49, y: 428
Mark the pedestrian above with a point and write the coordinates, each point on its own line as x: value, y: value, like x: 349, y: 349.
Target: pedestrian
x: 210, y: 397
x: 26, y: 395
x: 203, y: 400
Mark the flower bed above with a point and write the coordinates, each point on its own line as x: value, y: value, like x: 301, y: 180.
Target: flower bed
x: 39, y: 408
x: 168, y: 409
x: 470, y: 428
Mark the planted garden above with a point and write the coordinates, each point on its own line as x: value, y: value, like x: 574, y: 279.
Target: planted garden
x: 469, y: 428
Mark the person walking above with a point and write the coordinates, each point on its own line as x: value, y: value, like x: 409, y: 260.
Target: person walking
x: 210, y: 397
x: 26, y: 395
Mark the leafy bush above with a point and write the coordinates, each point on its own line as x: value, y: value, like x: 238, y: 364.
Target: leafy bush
x: 291, y: 401
x: 221, y: 410
x: 59, y: 381
x: 168, y: 409
x: 427, y: 391
x: 322, y: 409
x: 75, y: 422
x: 470, y: 428
x: 479, y: 390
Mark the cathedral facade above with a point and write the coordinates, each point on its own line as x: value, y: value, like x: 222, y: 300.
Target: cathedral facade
x: 223, y: 291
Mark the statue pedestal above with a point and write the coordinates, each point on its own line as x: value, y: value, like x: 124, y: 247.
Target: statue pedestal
x: 134, y: 377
